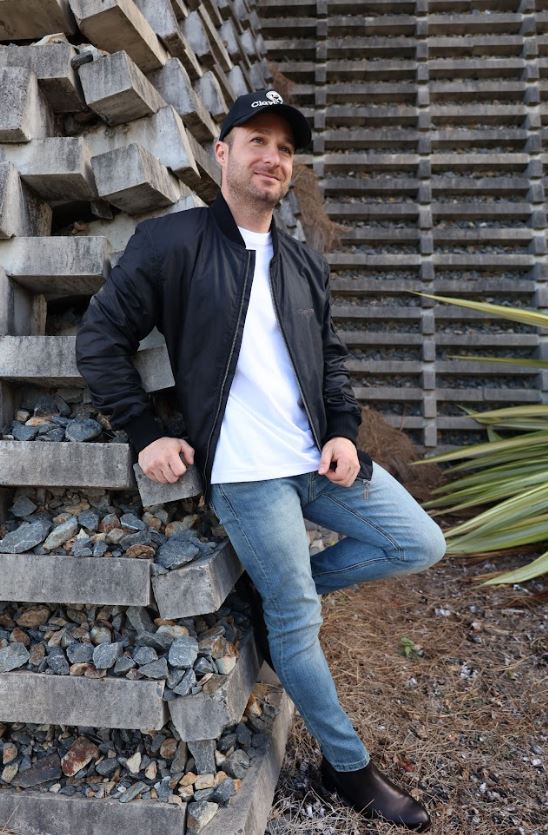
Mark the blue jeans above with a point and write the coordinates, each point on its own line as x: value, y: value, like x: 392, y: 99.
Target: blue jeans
x: 386, y: 533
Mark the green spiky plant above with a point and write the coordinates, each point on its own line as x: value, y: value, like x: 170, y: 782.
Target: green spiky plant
x: 508, y: 473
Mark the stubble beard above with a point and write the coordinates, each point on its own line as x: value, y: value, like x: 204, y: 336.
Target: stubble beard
x: 253, y: 197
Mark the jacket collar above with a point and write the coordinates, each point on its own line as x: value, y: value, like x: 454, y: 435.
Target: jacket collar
x: 225, y: 220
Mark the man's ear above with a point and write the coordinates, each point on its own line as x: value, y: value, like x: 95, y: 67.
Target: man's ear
x: 220, y: 150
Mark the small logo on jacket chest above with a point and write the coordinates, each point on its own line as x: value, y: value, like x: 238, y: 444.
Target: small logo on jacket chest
x: 305, y: 311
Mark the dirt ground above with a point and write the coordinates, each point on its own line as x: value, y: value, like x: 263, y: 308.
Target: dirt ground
x: 446, y: 683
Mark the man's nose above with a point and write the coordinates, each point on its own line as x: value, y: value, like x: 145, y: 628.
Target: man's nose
x: 272, y: 154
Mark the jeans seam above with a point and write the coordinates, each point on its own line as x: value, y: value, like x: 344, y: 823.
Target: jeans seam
x: 379, y: 530
x: 350, y: 567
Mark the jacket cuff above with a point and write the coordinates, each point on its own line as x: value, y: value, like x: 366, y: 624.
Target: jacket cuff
x: 143, y: 430
x: 342, y: 426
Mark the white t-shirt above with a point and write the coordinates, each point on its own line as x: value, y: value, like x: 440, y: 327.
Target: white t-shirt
x: 265, y: 431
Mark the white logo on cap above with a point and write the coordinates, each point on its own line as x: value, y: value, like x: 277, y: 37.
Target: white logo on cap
x: 274, y: 97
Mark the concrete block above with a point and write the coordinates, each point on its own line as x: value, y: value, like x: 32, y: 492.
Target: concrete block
x: 208, y: 183
x: 152, y: 492
x: 119, y: 230
x: 217, y: 47
x: 24, y: 113
x: 237, y: 81
x: 195, y: 34
x: 209, y: 91
x: 58, y: 579
x: 39, y: 813
x: 57, y: 169
x: 117, y: 90
x: 20, y: 312
x: 204, y: 715
x: 163, y: 18
x: 248, y: 812
x: 133, y: 180
x: 21, y: 213
x: 50, y: 360
x: 27, y: 19
x: 174, y: 85
x: 69, y: 700
x: 24, y: 463
x: 162, y: 134
x: 51, y: 63
x: 56, y: 266
x: 111, y: 23
x: 199, y: 587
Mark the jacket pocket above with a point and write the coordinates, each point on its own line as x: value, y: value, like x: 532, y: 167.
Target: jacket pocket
x: 366, y: 465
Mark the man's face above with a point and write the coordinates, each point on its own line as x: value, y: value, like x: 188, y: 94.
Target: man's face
x: 257, y: 161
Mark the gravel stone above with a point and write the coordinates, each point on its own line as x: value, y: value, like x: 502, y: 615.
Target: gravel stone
x: 203, y: 751
x: 145, y: 655
x: 61, y: 534
x: 22, y: 507
x: 156, y: 669
x: 83, y: 430
x: 13, y: 656
x: 25, y: 537
x: 183, y: 651
x: 79, y: 653
x: 105, y: 655
x: 174, y: 553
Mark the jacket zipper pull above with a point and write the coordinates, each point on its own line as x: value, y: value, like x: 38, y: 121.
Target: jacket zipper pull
x: 365, y: 488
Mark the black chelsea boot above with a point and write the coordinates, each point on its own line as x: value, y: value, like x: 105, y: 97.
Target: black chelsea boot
x: 375, y: 796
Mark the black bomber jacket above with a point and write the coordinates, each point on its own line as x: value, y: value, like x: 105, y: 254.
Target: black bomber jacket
x: 190, y: 275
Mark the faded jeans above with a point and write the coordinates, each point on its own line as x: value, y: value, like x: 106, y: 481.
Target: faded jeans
x: 386, y: 533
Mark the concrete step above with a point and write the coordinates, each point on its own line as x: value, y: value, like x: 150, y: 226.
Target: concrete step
x: 199, y: 587
x: 382, y: 69
x: 362, y: 26
x: 117, y: 90
x: 58, y: 169
x: 162, y: 134
x: 356, y: 93
x: 57, y: 579
x: 401, y: 139
x: 110, y: 23
x: 28, y: 463
x: 476, y: 90
x: 205, y: 714
x: 56, y: 266
x: 208, y: 183
x: 34, y: 812
x: 374, y: 46
x: 73, y: 700
x: 479, y: 45
x: 34, y: 18
x: 21, y: 212
x: 451, y: 67
x: 51, y: 63
x: 134, y: 180
x: 465, y: 24
x: 217, y: 48
x: 175, y: 87
x: 362, y: 210
x: 26, y: 114
x: 51, y: 361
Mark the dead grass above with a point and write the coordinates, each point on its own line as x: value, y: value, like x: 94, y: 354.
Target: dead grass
x: 455, y: 722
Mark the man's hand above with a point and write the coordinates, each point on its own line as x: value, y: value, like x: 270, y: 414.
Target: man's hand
x: 161, y: 460
x: 343, y: 453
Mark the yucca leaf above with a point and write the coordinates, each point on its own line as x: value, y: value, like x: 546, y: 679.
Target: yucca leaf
x: 520, y: 575
x: 512, y: 314
x: 529, y: 363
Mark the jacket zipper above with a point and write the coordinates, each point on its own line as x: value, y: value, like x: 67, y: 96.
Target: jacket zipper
x: 206, y: 482
x: 318, y: 444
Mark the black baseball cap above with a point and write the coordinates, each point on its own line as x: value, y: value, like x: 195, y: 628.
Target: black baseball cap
x: 251, y: 104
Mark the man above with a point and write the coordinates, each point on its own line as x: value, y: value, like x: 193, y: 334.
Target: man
x: 270, y: 416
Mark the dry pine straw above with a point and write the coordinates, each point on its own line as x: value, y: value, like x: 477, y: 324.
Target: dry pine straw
x: 460, y: 738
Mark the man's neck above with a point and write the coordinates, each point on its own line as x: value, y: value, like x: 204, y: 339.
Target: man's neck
x: 256, y: 219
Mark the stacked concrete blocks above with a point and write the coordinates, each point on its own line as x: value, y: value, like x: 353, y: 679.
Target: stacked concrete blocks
x: 107, y: 119
x: 429, y: 136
